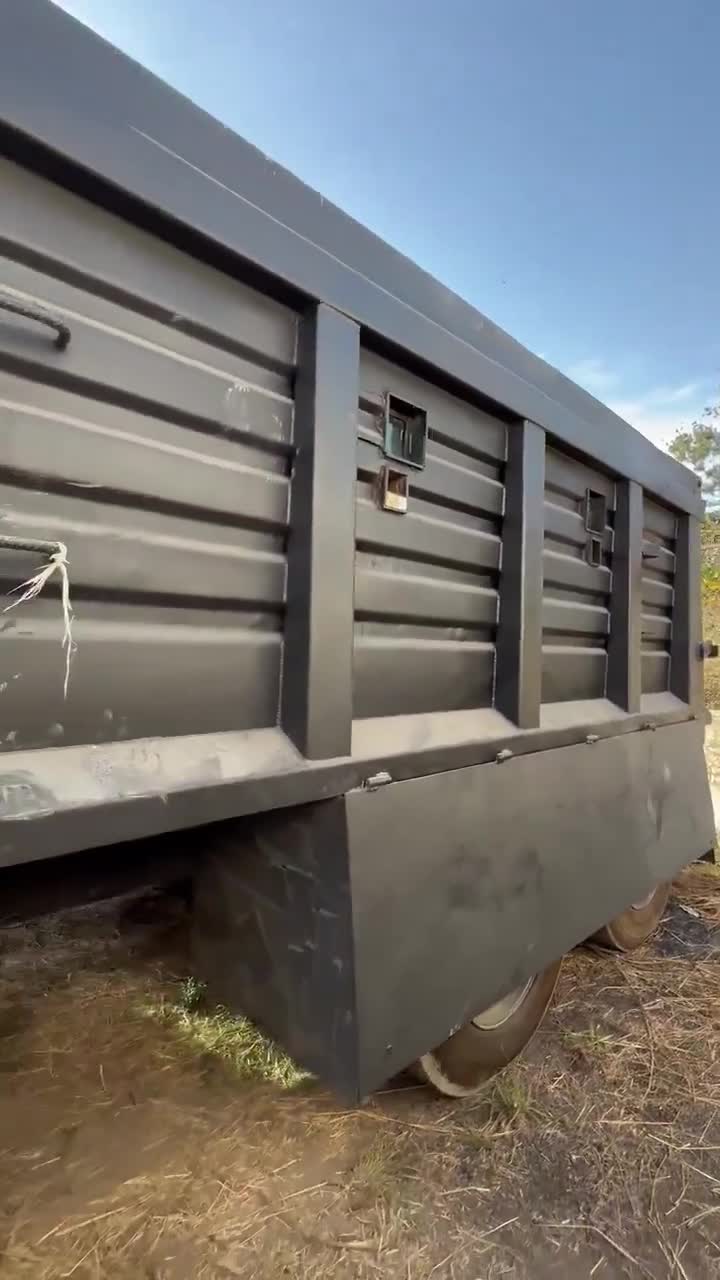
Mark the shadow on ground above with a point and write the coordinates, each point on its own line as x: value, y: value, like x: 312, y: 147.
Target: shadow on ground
x: 144, y: 1134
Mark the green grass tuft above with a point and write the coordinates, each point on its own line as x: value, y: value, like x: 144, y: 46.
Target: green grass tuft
x: 234, y: 1041
x: 591, y: 1041
x: 510, y: 1097
x: 191, y: 996
x: 377, y: 1174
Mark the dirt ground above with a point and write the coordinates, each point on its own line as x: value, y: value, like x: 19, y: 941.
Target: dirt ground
x: 145, y: 1136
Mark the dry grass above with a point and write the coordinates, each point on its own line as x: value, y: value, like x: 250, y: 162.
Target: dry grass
x: 712, y: 682
x: 145, y: 1135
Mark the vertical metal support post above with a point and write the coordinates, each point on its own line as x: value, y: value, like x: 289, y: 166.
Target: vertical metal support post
x: 519, y: 642
x: 624, y: 661
x: 686, y: 680
x: 316, y: 704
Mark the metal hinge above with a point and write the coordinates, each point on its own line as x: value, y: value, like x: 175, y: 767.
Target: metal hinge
x: 377, y: 780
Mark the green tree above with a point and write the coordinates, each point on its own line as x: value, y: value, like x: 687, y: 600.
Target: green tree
x: 698, y: 446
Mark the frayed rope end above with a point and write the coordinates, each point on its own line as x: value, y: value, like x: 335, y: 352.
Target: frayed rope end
x: 57, y: 563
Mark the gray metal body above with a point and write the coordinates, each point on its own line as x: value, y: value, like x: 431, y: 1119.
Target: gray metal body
x: 255, y: 634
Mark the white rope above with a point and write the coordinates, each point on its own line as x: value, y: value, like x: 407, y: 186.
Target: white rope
x: 57, y: 563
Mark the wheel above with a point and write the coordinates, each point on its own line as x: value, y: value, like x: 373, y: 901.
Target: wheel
x: 461, y: 1065
x: 635, y: 925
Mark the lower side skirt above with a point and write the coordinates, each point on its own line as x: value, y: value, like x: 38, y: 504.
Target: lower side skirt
x: 361, y: 930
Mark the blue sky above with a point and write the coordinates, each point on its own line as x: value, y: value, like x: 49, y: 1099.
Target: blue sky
x: 553, y: 161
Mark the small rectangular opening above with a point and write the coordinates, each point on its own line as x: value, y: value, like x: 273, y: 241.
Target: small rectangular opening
x: 593, y: 551
x: 595, y: 511
x: 394, y: 490
x: 405, y: 432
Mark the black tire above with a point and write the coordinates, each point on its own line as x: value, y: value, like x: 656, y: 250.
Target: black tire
x: 635, y: 925
x: 465, y: 1062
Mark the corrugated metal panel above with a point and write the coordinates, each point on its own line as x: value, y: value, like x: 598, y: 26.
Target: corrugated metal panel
x: 658, y: 586
x: 426, y: 583
x: 156, y: 446
x: 576, y: 594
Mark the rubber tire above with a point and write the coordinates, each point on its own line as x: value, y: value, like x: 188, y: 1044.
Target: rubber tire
x: 633, y: 927
x: 461, y: 1065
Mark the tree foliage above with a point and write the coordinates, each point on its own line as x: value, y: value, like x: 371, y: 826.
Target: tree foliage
x: 698, y: 446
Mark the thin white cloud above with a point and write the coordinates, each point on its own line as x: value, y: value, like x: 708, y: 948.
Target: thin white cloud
x: 673, y: 395
x: 594, y: 374
x: 659, y: 419
x: 658, y: 412
x: 658, y: 426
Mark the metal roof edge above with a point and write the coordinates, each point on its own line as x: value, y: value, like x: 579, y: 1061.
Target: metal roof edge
x: 63, y: 87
